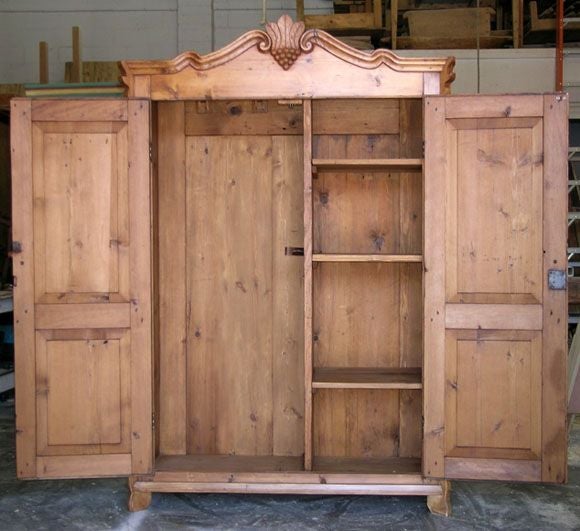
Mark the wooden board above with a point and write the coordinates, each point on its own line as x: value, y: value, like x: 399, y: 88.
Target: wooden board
x: 491, y: 319
x: 83, y: 301
x: 367, y: 287
x: 243, y: 306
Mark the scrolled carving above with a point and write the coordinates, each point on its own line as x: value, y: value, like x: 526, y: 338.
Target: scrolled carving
x: 285, y: 38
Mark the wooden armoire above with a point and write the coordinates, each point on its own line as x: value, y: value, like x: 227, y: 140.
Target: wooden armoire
x: 290, y: 266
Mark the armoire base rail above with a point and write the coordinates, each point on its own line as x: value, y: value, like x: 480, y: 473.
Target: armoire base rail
x: 437, y: 492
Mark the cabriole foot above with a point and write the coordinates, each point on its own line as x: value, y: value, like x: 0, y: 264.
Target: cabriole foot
x: 441, y: 504
x: 138, y: 500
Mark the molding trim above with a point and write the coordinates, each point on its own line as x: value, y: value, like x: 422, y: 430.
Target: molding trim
x: 286, y: 40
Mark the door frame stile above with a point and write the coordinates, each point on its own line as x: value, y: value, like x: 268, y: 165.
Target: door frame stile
x: 140, y: 230
x: 434, y: 288
x: 554, y: 344
x: 23, y: 271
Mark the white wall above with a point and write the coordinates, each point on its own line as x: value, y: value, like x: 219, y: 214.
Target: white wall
x: 123, y: 29
x: 160, y: 29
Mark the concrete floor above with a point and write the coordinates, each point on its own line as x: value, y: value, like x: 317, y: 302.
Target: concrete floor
x: 100, y: 504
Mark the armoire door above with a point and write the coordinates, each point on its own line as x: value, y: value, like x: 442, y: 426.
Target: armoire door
x: 495, y: 317
x: 82, y: 287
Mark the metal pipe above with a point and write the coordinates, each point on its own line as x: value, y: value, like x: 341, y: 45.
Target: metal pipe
x: 559, y: 45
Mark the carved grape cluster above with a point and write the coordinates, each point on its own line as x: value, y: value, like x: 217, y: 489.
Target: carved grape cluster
x: 285, y: 57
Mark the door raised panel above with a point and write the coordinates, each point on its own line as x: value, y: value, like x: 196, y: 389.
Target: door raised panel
x: 81, y: 211
x: 494, y: 242
x: 493, y: 394
x: 83, y: 384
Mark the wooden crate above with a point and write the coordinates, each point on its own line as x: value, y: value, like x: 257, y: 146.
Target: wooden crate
x: 449, y: 23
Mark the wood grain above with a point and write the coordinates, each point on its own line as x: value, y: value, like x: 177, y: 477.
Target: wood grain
x: 308, y: 287
x: 172, y: 265
x: 23, y: 270
x: 140, y: 228
x: 554, y: 441
x: 434, y: 286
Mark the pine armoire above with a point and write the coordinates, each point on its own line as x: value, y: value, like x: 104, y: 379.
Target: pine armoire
x: 290, y: 266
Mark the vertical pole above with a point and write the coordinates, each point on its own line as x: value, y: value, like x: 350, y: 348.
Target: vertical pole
x: 394, y: 18
x: 307, y: 106
x: 516, y: 23
x: 378, y: 13
x: 300, y: 9
x: 43, y: 62
x: 559, y: 45
x: 77, y: 66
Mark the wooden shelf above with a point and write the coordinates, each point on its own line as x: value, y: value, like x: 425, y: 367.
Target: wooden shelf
x: 367, y: 258
x: 366, y: 378
x: 383, y: 165
x: 169, y: 466
x: 228, y: 463
x: 367, y: 465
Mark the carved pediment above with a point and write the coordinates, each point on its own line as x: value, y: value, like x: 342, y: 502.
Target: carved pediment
x: 286, y: 41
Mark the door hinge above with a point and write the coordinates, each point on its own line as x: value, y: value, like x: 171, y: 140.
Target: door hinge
x: 557, y: 279
x: 150, y: 152
x: 15, y: 247
x: 153, y: 422
x: 423, y: 148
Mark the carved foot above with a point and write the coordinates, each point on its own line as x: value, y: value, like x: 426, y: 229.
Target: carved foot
x: 138, y: 501
x: 441, y: 504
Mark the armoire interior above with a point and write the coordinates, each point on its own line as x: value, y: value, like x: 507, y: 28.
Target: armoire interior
x: 231, y: 382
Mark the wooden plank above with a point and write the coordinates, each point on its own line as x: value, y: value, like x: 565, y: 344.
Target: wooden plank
x: 68, y: 466
x: 410, y: 423
x: 394, y: 23
x: 308, y: 290
x: 495, y: 40
x: 554, y: 440
x: 317, y: 74
x: 366, y: 378
x: 230, y: 295
x: 379, y: 165
x: 497, y: 106
x: 434, y: 288
x: 517, y: 23
x: 494, y: 469
x: 339, y: 198
x: 341, y: 21
x: 291, y: 488
x: 23, y: 270
x: 494, y: 316
x: 43, y: 62
x: 281, y: 470
x: 392, y: 258
x: 355, y: 117
x: 357, y: 315
x: 378, y: 13
x: 77, y: 65
x: 65, y: 316
x: 141, y: 287
x: 287, y: 302
x: 300, y: 9
x: 172, y: 420
x: 356, y: 423
x: 244, y: 117
x: 450, y: 23
x: 367, y: 465
x: 85, y: 110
